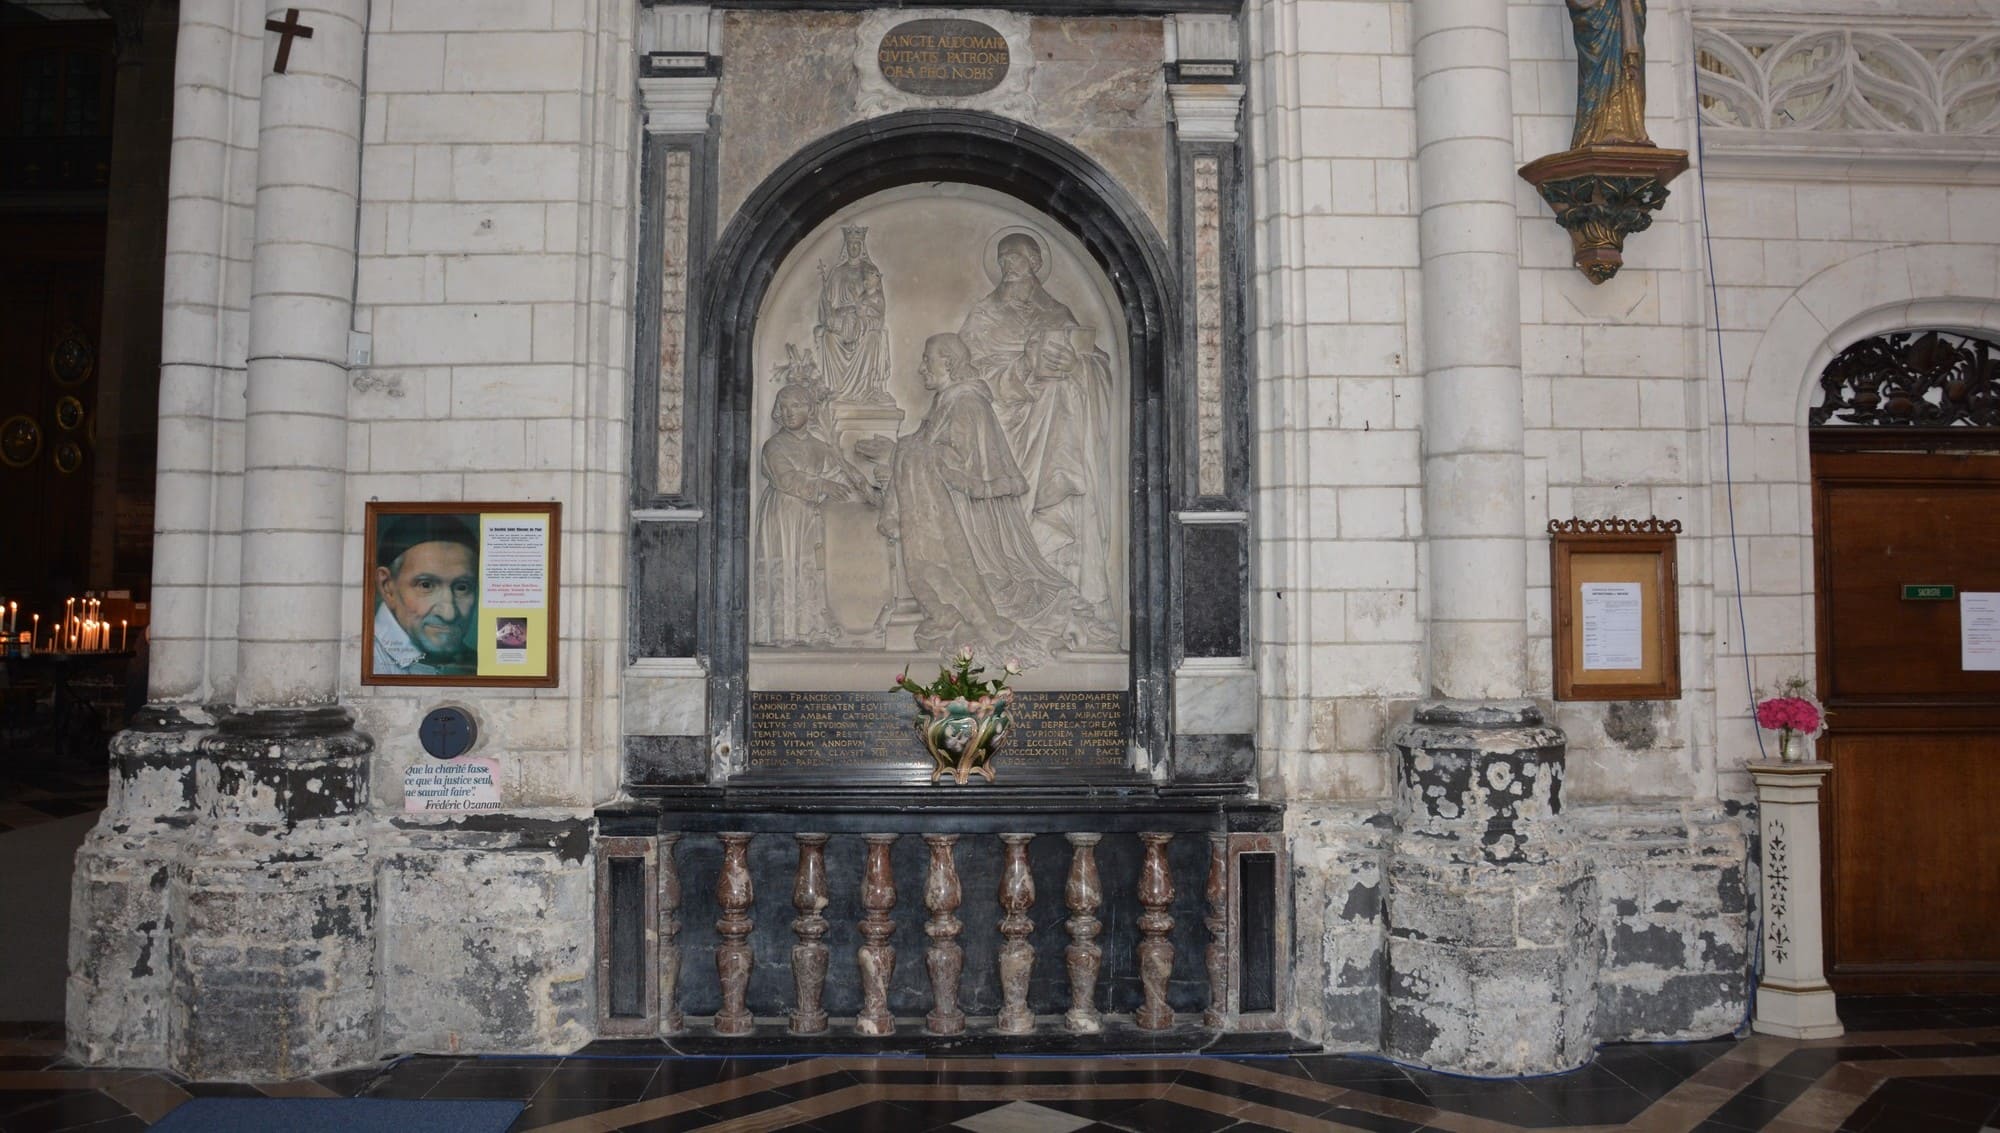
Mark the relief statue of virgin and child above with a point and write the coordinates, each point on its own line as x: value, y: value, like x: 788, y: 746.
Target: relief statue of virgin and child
x: 1000, y: 503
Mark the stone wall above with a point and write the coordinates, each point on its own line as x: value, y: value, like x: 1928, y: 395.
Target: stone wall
x: 1673, y: 921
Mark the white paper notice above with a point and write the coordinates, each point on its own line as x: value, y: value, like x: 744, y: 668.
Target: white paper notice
x: 1979, y: 631
x: 514, y: 564
x: 453, y: 784
x: 1611, y: 626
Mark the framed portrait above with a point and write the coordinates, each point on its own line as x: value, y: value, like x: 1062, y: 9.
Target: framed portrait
x: 1615, y: 615
x: 461, y: 594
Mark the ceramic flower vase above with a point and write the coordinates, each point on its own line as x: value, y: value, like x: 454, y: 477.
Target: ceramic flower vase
x: 962, y: 735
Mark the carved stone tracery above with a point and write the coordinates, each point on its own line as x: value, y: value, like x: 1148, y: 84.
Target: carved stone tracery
x: 1912, y: 378
x: 1794, y: 77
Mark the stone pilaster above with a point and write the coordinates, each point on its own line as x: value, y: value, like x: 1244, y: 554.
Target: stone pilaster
x: 1793, y: 999
x: 1493, y: 947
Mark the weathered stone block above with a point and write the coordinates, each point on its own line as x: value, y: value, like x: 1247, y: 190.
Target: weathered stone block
x: 486, y: 933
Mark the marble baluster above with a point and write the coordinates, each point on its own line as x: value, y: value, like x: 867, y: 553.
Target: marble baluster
x: 945, y: 958
x: 1017, y: 956
x: 809, y: 955
x: 1156, y: 950
x: 877, y: 956
x: 1217, y: 895
x: 671, y: 1020
x: 733, y: 956
x: 1084, y: 956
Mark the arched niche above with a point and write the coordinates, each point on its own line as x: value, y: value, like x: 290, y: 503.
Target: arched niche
x: 979, y: 174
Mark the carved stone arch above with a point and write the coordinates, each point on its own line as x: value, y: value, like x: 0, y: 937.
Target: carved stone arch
x: 1948, y: 288
x: 916, y: 147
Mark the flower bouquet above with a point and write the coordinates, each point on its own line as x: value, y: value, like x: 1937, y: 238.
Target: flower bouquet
x: 1792, y: 710
x: 963, y: 715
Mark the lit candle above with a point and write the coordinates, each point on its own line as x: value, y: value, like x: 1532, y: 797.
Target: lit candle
x: 122, y: 632
x: 13, y: 617
x: 35, y: 630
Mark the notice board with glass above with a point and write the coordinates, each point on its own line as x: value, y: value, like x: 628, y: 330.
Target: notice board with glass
x: 1615, y: 609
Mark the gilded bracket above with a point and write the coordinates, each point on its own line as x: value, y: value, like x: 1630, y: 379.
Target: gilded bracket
x: 1602, y: 194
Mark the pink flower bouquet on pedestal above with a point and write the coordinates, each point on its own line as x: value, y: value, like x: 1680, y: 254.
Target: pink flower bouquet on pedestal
x: 1794, y: 710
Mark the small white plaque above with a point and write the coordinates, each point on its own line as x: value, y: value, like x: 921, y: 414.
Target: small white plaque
x: 452, y: 784
x: 1612, y: 637
x: 1979, y: 632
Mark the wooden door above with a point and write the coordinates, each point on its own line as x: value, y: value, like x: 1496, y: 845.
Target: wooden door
x: 1912, y: 838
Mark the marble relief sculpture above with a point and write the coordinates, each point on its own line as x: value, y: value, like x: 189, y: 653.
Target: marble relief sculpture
x: 1052, y: 390
x: 801, y: 471
x: 975, y: 498
x: 853, y: 347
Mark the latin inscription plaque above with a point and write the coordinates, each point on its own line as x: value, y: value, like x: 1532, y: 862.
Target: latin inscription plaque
x: 833, y: 730
x: 943, y: 57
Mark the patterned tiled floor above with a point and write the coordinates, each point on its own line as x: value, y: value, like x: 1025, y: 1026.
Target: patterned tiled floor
x: 1908, y: 1064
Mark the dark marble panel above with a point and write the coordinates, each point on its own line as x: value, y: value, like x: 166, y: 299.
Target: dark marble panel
x: 663, y: 586
x: 1215, y: 759
x: 1214, y: 570
x: 662, y: 761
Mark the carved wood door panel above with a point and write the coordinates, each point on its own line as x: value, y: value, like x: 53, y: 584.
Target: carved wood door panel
x: 1912, y: 850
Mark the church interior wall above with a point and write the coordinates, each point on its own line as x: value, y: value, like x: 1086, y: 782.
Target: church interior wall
x: 496, y: 235
x: 496, y: 281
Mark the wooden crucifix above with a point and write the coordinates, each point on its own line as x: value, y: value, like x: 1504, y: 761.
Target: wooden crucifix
x: 287, y: 30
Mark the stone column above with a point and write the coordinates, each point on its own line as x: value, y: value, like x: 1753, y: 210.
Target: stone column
x: 1793, y: 999
x: 1467, y: 237
x: 1493, y: 946
x: 274, y: 901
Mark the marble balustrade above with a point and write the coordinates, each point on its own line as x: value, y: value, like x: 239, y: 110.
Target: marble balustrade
x: 972, y: 960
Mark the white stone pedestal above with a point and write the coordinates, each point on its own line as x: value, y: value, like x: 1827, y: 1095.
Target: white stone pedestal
x: 1793, y: 999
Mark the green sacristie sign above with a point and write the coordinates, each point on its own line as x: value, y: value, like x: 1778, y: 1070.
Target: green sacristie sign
x: 1928, y: 592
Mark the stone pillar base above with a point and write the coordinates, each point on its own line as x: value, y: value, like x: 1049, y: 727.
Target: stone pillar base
x: 222, y: 913
x: 1796, y: 1013
x: 1493, y: 947
x: 117, y: 992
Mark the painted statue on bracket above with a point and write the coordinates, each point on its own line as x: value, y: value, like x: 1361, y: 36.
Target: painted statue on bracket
x: 1052, y: 390
x: 1610, y: 72
x: 802, y: 472
x: 853, y: 344
x: 955, y: 507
